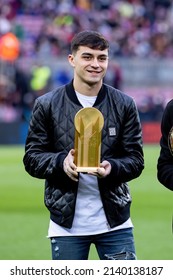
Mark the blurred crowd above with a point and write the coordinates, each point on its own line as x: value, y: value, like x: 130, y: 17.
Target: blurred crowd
x: 134, y: 28
x: 140, y: 28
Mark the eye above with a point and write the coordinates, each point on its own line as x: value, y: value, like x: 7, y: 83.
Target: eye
x: 102, y: 58
x: 87, y: 57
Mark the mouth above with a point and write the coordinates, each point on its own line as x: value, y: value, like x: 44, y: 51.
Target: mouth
x: 94, y: 72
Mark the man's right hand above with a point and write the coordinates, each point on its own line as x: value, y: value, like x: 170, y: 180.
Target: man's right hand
x: 69, y: 166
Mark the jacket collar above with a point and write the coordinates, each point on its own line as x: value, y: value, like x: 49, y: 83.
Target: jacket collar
x: 72, y: 95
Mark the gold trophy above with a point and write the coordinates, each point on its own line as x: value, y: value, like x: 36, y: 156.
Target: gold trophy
x: 88, y: 126
x: 170, y: 140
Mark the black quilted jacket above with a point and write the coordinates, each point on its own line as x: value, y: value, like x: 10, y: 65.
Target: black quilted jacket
x: 51, y: 136
x: 165, y: 160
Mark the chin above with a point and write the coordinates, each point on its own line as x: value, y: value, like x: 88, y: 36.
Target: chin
x: 94, y: 81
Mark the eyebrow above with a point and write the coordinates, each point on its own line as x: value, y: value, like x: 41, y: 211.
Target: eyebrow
x: 85, y: 53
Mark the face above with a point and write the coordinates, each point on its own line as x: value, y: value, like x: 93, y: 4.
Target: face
x: 89, y: 65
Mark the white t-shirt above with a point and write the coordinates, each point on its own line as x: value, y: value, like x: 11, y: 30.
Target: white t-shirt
x: 89, y: 215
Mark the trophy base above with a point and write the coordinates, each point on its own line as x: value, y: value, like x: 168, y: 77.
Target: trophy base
x: 88, y: 169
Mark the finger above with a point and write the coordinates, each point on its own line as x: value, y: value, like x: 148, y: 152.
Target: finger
x: 101, y: 171
x: 74, y: 177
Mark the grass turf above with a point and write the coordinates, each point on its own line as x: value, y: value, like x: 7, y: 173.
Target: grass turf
x: 24, y: 218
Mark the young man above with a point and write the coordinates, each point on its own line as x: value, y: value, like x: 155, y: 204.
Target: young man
x: 86, y: 208
x: 165, y: 160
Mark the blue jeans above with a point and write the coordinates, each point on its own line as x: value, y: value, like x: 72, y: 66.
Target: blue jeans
x: 114, y: 245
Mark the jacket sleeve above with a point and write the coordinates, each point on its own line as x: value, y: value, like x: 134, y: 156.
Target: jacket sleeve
x: 39, y: 159
x: 130, y: 162
x: 165, y: 160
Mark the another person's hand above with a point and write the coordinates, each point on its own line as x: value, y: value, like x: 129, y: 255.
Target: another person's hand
x: 69, y: 166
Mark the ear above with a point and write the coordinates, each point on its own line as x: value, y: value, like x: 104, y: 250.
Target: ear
x: 71, y: 60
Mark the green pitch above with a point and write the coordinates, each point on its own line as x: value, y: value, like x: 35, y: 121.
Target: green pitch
x: 24, y: 219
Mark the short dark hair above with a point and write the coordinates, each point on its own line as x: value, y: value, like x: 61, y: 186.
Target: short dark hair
x: 91, y: 39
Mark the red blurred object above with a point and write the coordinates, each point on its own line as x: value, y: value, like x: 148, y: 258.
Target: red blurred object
x: 9, y: 47
x: 151, y: 132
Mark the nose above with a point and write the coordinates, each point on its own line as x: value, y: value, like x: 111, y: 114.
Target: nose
x: 95, y: 63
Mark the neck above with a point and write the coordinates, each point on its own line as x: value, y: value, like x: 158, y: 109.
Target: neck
x: 86, y: 89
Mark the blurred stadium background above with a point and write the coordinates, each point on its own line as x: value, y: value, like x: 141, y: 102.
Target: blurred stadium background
x: 34, y: 43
